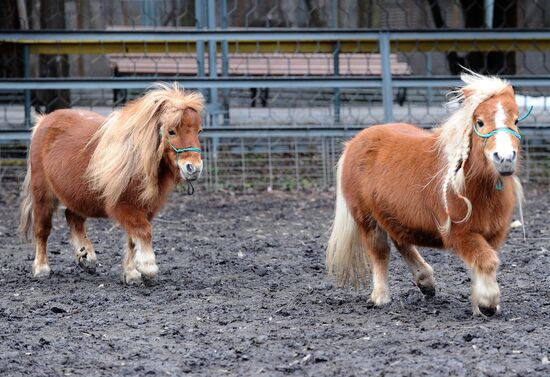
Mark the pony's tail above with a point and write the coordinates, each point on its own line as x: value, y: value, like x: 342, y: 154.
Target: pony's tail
x: 25, y: 219
x: 346, y: 257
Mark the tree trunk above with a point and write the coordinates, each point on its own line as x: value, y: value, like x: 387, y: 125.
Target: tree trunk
x: 11, y: 64
x: 491, y: 62
x: 52, y: 16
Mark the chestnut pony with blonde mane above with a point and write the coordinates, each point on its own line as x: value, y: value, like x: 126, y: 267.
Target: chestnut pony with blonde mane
x: 121, y: 167
x: 452, y: 188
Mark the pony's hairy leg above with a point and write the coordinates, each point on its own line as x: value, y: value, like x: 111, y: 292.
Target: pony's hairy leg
x: 130, y: 274
x: 43, y: 208
x: 422, y: 272
x: 483, y: 261
x: 84, y: 250
x: 138, y: 227
x: 145, y: 258
x: 378, y: 251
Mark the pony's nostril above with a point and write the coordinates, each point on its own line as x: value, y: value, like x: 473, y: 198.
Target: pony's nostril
x: 496, y: 157
x: 190, y: 168
x: 514, y: 154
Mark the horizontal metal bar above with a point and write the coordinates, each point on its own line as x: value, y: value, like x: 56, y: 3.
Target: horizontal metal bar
x: 196, y: 83
x: 63, y: 36
x: 271, y: 132
x: 292, y: 47
x: 295, y: 82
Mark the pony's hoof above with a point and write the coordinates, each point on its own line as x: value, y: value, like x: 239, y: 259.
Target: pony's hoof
x: 148, y: 270
x: 40, y: 271
x: 131, y: 277
x: 488, y: 311
x: 86, y: 260
x: 427, y: 290
x: 87, y: 265
x: 380, y: 298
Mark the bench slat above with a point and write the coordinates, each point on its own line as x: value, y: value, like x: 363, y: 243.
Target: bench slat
x: 281, y: 64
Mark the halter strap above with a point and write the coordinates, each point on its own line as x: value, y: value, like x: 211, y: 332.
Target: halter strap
x: 492, y: 133
x: 523, y: 117
x: 181, y: 150
x: 507, y: 130
x: 190, y: 188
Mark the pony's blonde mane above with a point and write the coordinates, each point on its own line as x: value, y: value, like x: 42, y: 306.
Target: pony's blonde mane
x: 130, y: 142
x: 455, y: 134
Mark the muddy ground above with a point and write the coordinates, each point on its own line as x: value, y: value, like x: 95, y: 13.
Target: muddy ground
x: 243, y: 291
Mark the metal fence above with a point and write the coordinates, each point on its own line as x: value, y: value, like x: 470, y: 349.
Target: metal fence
x: 285, y: 81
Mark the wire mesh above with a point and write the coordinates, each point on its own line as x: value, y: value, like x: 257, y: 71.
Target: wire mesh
x: 305, y: 62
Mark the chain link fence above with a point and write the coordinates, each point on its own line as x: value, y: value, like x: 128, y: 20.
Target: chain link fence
x: 286, y: 81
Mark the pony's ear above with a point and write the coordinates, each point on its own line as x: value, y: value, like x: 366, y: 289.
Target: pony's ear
x: 509, y: 90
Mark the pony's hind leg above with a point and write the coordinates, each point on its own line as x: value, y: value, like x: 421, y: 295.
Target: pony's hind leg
x: 378, y: 251
x: 422, y: 272
x: 84, y: 250
x: 43, y: 206
x: 130, y: 274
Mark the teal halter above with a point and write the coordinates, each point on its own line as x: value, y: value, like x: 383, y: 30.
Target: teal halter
x: 181, y: 150
x: 190, y: 188
x: 507, y: 130
x: 500, y: 185
x: 486, y: 136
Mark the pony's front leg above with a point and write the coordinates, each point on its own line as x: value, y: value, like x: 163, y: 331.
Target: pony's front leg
x: 483, y: 261
x: 139, y: 230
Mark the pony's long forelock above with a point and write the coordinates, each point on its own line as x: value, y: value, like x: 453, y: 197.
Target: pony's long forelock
x: 455, y: 135
x: 129, y: 142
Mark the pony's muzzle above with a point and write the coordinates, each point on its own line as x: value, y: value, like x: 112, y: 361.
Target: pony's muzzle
x: 505, y: 163
x: 190, y: 171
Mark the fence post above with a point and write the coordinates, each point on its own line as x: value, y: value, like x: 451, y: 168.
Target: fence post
x: 213, y: 73
x: 212, y: 61
x: 199, y: 21
x: 387, y: 92
x: 336, y: 60
x: 27, y: 92
x: 225, y: 63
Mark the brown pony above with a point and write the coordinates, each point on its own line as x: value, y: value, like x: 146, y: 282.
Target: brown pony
x: 121, y: 167
x: 452, y: 188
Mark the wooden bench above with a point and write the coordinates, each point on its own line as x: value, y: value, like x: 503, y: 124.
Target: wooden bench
x: 256, y: 64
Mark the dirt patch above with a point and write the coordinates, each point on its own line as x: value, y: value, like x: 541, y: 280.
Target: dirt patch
x: 243, y: 290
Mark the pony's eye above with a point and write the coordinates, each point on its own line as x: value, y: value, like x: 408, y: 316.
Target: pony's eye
x: 200, y: 131
x: 172, y: 133
x: 480, y: 123
x: 516, y: 122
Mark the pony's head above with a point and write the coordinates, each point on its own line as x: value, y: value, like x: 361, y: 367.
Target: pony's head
x: 496, y: 136
x: 161, y: 125
x: 483, y: 130
x: 179, y: 131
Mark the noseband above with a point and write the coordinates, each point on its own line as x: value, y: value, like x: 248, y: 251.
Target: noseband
x: 507, y: 130
x: 190, y: 188
x: 492, y: 133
